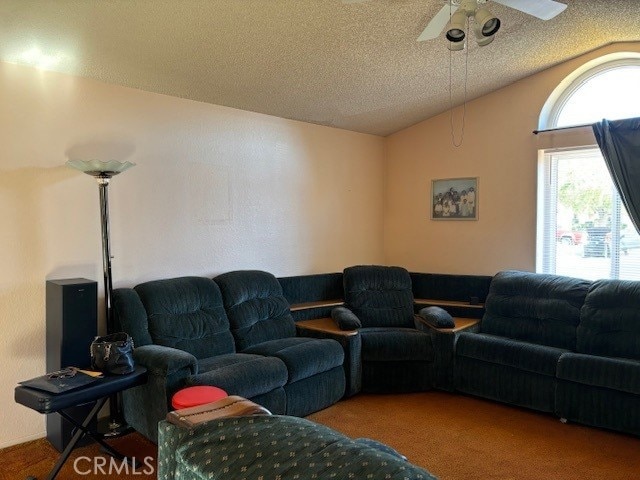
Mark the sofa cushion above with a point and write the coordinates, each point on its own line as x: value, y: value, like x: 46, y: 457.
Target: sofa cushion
x: 304, y: 357
x: 610, y: 320
x: 241, y: 374
x: 614, y: 373
x: 395, y: 345
x: 525, y: 356
x: 257, y: 310
x: 187, y: 313
x: 534, y: 307
x: 379, y: 296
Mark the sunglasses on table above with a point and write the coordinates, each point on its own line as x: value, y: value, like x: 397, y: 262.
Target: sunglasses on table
x: 64, y: 373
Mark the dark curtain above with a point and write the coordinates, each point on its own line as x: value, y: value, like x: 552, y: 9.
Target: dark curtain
x: 619, y: 141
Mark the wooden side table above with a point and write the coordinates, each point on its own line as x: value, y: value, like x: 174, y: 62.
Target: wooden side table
x: 326, y: 325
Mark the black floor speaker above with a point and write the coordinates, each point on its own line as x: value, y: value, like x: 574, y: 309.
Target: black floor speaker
x: 72, y: 324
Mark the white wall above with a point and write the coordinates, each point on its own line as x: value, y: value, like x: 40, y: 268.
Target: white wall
x: 215, y: 189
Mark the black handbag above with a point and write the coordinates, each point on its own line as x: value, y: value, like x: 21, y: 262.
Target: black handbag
x: 113, y: 354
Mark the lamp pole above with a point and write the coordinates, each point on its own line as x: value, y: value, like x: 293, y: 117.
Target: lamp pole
x: 103, y: 185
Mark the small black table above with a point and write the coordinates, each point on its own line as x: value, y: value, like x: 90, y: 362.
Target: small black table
x: 98, y: 391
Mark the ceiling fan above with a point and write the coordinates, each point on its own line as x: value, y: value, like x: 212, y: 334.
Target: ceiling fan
x: 488, y: 24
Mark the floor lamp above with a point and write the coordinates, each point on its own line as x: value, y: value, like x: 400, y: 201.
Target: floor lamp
x: 103, y: 172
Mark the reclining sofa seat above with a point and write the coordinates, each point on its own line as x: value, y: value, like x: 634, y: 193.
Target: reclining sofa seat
x: 261, y: 324
x: 599, y: 385
x: 530, y: 321
x: 395, y: 355
x: 182, y: 336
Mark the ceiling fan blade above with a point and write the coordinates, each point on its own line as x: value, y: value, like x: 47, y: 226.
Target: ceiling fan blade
x: 437, y: 23
x: 542, y: 9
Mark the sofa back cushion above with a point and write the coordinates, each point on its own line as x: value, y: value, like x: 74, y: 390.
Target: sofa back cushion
x: 257, y: 310
x: 610, y: 320
x: 535, y: 307
x: 379, y: 296
x: 187, y: 313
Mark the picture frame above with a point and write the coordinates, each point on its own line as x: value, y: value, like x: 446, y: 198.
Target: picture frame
x: 454, y: 199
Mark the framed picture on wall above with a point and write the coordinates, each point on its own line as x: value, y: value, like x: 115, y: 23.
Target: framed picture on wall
x: 454, y: 199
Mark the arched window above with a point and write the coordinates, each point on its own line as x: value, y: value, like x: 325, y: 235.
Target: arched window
x: 606, y: 87
x: 583, y: 230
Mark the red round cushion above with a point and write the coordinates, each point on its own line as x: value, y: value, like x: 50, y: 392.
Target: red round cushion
x: 194, y: 396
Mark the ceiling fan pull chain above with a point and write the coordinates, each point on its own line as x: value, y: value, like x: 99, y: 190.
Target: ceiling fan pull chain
x: 464, y: 104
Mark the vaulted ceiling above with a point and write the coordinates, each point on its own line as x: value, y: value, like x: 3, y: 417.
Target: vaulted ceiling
x: 355, y: 66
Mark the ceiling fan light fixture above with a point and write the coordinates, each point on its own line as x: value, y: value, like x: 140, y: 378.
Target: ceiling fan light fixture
x: 455, y: 32
x: 481, y: 40
x: 487, y: 22
x: 455, y: 35
x: 455, y: 46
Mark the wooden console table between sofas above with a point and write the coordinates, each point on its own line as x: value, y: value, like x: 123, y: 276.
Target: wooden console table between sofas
x: 328, y: 325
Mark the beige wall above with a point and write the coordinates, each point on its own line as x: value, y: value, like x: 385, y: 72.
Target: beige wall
x: 501, y: 150
x: 215, y: 189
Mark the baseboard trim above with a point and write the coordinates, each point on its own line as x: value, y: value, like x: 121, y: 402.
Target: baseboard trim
x: 18, y: 441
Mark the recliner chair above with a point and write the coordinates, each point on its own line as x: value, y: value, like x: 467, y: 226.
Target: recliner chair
x: 261, y: 324
x: 396, y: 356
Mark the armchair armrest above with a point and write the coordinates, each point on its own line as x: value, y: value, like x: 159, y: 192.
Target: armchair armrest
x: 435, y: 317
x: 163, y: 361
x: 345, y: 318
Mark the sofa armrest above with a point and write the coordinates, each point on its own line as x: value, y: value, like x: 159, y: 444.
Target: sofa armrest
x: 345, y: 318
x: 434, y: 316
x: 350, y: 341
x: 167, y: 369
x: 163, y: 361
x: 444, y: 341
x: 460, y: 324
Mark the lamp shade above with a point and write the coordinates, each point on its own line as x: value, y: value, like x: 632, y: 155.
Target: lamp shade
x: 100, y: 169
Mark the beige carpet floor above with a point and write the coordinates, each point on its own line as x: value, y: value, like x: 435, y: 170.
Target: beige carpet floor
x: 457, y: 437
x: 453, y: 436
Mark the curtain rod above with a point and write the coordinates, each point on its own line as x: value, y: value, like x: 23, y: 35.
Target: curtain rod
x: 536, y: 132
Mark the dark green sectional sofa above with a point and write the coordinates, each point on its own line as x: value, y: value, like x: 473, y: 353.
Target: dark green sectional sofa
x: 555, y: 344
x: 238, y: 332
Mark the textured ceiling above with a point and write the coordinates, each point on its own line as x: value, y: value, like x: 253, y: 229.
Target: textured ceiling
x: 353, y: 66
